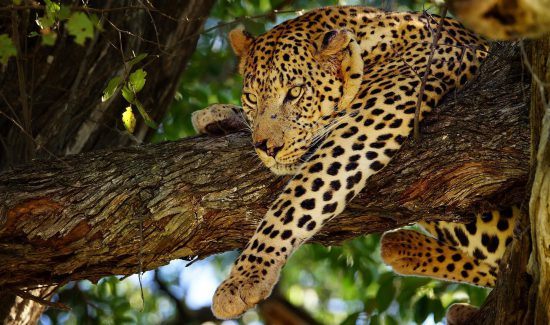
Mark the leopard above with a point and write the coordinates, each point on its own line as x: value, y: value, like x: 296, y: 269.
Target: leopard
x: 330, y: 96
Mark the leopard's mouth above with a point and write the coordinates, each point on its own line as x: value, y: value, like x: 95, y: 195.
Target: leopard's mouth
x: 293, y: 167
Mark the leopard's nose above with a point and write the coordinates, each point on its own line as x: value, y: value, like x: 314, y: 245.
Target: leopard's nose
x: 268, y: 148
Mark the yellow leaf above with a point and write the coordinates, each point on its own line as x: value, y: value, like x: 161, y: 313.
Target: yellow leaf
x: 129, y: 119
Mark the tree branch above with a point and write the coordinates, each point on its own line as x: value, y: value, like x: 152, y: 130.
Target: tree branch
x: 201, y: 196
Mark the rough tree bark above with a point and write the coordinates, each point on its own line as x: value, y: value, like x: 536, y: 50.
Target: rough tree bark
x: 81, y: 217
x: 539, y: 207
x: 50, y: 96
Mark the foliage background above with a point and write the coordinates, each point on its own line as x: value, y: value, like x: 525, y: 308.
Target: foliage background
x: 336, y: 285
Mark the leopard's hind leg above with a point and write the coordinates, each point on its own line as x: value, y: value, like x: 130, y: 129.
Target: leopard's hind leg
x: 458, y: 252
x: 485, y: 238
x: 410, y: 252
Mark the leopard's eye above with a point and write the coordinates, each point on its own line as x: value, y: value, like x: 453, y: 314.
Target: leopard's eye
x: 250, y: 98
x: 294, y: 93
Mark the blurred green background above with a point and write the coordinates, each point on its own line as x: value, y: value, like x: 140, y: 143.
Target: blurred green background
x: 335, y: 285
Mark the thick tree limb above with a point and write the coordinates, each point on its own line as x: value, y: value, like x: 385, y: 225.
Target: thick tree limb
x: 80, y: 218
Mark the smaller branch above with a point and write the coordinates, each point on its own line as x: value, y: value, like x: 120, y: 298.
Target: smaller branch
x: 26, y: 295
x: 538, y: 82
x: 154, y: 26
x: 26, y: 111
x: 15, y: 8
x: 181, y: 311
x: 36, y: 144
x: 426, y: 74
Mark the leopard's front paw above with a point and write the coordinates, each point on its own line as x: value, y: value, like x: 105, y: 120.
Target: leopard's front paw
x: 244, y: 290
x: 218, y: 119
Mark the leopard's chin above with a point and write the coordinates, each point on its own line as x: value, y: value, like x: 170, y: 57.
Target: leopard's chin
x: 285, y: 169
x: 293, y: 168
x: 292, y: 165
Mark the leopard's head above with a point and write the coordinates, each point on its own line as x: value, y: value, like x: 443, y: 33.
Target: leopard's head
x: 295, y: 84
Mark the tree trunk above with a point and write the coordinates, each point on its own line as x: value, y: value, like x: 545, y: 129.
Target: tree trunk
x: 539, y: 207
x: 50, y: 97
x: 522, y: 293
x: 106, y: 212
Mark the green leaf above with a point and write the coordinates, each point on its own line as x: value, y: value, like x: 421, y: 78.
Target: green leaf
x: 95, y: 21
x: 138, y: 58
x: 385, y: 295
x: 148, y: 120
x: 51, y: 11
x: 52, y: 8
x: 49, y: 38
x: 351, y: 319
x: 370, y: 305
x: 421, y: 309
x: 137, y: 80
x: 111, y: 88
x: 80, y: 26
x: 390, y: 320
x: 7, y: 48
x: 45, y: 22
x: 437, y: 309
x: 16, y: 2
x: 64, y: 12
x: 128, y: 94
x: 375, y: 320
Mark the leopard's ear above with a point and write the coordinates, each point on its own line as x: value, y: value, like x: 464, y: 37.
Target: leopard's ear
x: 240, y: 41
x: 340, y: 50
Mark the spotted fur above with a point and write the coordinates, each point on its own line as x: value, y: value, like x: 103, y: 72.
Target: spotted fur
x: 331, y: 97
x: 468, y: 253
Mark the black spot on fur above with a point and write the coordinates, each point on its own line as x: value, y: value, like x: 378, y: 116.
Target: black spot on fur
x: 310, y: 226
x: 303, y: 220
x: 461, y: 236
x: 333, y: 168
x: 471, y: 227
x: 289, y: 216
x: 317, y: 167
x: 317, y: 184
x: 299, y: 191
x: 507, y: 212
x: 337, y: 151
x: 371, y: 155
x: 267, y: 230
x: 329, y: 208
x: 376, y: 165
x: 502, y: 224
x: 479, y: 254
x: 286, y: 234
x: 308, y: 204
x: 491, y: 242
x: 487, y: 217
